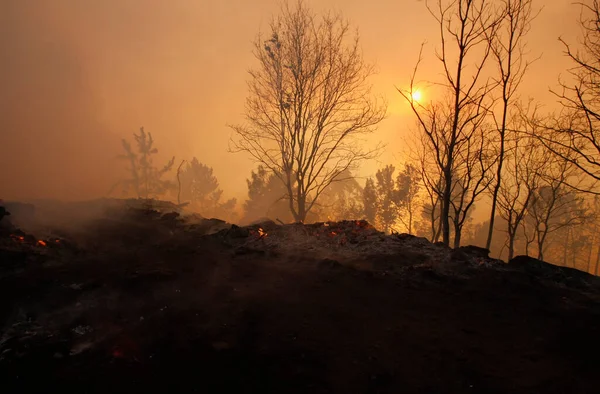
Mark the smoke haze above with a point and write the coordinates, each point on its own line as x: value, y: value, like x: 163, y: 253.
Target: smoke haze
x: 78, y: 76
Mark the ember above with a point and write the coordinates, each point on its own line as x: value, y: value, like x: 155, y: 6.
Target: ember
x: 261, y: 233
x: 19, y: 238
x: 41, y: 243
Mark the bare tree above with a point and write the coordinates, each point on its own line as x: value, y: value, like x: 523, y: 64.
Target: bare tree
x: 465, y: 28
x: 593, y: 234
x: 524, y: 160
x: 554, y: 205
x: 431, y: 182
x: 508, y: 48
x: 578, y: 140
x: 471, y: 174
x: 309, y: 102
x: 472, y: 164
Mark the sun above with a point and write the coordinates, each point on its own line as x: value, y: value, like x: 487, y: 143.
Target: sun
x: 417, y: 95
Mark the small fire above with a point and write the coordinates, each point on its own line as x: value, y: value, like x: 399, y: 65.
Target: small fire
x: 19, y: 238
x: 261, y: 233
x: 41, y: 243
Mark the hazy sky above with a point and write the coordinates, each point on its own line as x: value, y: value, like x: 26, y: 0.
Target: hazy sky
x: 79, y: 75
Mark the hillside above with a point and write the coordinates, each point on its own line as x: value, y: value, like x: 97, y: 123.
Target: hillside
x: 144, y: 300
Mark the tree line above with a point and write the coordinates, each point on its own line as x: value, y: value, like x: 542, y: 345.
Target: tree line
x: 478, y: 141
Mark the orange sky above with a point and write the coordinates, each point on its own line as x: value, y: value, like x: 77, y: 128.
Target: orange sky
x: 79, y: 75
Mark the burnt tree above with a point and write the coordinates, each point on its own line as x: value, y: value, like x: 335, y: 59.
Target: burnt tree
x: 465, y: 27
x: 309, y: 103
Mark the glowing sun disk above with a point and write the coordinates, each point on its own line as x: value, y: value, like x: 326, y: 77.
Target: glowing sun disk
x: 417, y: 95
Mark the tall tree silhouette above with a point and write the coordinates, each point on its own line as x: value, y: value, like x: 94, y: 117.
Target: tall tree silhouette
x: 309, y: 103
x: 408, y: 185
x: 200, y: 187
x: 449, y: 124
x: 266, y: 197
x: 145, y: 179
x: 509, y: 49
x: 577, y: 140
x: 370, y: 201
x: 342, y: 200
x: 387, y: 198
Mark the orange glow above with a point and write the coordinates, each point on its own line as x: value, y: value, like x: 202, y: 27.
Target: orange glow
x: 162, y: 57
x: 261, y: 233
x: 41, y: 243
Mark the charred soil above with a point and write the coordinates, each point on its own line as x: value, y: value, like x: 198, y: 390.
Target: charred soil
x: 138, y: 301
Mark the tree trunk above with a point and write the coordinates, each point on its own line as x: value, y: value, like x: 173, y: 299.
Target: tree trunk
x: 511, y: 243
x: 488, y: 243
x: 589, y: 259
x: 565, y: 249
x: 541, y: 240
x: 511, y: 248
x: 457, y: 235
x: 301, y: 211
x: 435, y: 234
x: 438, y: 230
x: 597, y: 262
x: 445, y: 216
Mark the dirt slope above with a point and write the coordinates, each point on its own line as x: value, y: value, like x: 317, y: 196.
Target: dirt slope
x: 138, y: 302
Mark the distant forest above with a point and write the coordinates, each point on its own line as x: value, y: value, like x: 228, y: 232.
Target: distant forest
x: 477, y: 142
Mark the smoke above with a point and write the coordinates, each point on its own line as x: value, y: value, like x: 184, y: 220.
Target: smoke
x: 78, y: 76
x: 52, y: 141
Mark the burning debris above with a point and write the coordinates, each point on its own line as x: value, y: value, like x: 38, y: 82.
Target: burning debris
x: 18, y: 238
x: 348, y: 239
x: 261, y: 233
x: 162, y: 222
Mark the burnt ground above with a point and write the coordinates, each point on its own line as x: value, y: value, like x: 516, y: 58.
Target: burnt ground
x: 136, y: 302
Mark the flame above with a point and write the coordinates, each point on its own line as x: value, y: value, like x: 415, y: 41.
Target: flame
x: 19, y: 238
x: 261, y: 233
x: 41, y: 243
